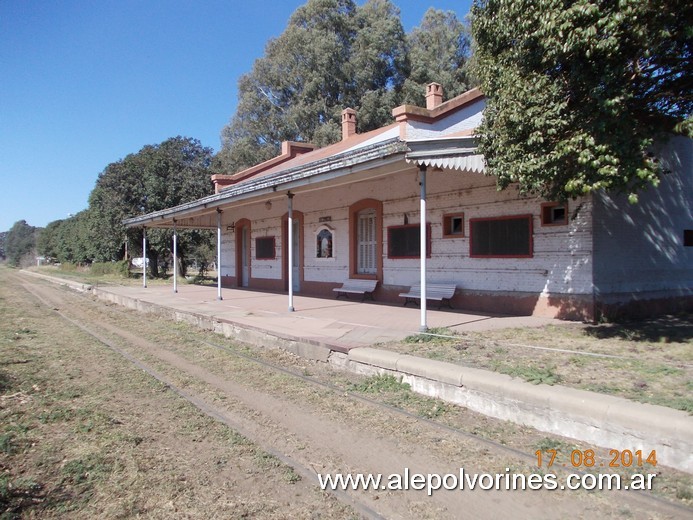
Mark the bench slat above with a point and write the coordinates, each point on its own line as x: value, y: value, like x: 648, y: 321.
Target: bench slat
x: 362, y: 287
x: 434, y: 291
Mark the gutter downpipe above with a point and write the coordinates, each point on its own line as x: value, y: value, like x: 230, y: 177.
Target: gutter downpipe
x: 290, y: 253
x: 175, y: 257
x: 219, y: 255
x: 422, y: 252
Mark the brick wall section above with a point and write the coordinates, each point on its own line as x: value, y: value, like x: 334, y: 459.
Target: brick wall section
x: 560, y: 268
x: 639, y: 256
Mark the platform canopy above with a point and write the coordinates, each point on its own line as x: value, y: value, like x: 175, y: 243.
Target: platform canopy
x: 450, y: 153
x: 363, y: 163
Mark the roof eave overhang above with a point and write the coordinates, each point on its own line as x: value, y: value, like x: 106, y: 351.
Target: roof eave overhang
x: 323, y: 170
x: 453, y: 153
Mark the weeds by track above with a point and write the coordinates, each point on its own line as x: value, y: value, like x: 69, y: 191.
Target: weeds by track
x: 103, y: 327
x: 202, y: 405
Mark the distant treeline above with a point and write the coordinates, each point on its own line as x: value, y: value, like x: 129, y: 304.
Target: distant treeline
x: 332, y: 55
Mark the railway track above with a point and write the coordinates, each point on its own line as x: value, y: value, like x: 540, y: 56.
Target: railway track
x: 262, y: 417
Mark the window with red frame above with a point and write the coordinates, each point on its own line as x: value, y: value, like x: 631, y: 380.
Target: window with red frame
x: 405, y: 241
x: 264, y: 248
x: 501, y: 237
x: 554, y: 214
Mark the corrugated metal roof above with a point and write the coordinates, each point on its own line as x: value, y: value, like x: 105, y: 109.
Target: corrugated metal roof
x: 473, y: 163
x: 454, y: 153
x: 337, y: 165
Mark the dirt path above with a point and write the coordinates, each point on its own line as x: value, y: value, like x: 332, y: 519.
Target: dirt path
x: 313, y: 429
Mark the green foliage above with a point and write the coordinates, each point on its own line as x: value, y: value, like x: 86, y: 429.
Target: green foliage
x: 439, y: 50
x: 47, y: 241
x: 110, y: 268
x: 155, y: 178
x: 71, y: 239
x: 333, y: 55
x: 578, y: 92
x: 20, y: 242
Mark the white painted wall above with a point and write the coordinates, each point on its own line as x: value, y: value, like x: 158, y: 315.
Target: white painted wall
x: 639, y: 247
x: 561, y: 262
x: 467, y: 118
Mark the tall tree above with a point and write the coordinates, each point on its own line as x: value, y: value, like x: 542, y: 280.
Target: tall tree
x: 378, y: 63
x: 73, y: 241
x: 331, y: 55
x: 47, y: 242
x: 3, y: 238
x: 439, y: 50
x: 578, y: 91
x: 20, y: 242
x: 157, y: 177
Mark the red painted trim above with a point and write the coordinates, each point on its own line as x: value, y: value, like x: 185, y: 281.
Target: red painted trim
x: 274, y: 249
x: 507, y: 217
x: 238, y: 229
x: 447, y: 217
x: 548, y: 205
x: 354, y: 210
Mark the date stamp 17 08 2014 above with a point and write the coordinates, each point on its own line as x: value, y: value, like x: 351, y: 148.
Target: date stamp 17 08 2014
x: 590, y: 459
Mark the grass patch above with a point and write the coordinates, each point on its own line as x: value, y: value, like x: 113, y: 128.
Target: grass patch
x: 86, y: 469
x: 109, y: 268
x: 534, y: 374
x: 380, y: 383
x: 400, y: 395
x: 666, y: 329
x: 435, y: 409
x: 267, y: 461
x: 579, y: 361
x: 7, y: 446
x: 56, y: 415
x: 684, y: 492
x: 290, y: 476
x: 436, y: 334
x: 603, y: 388
x: 685, y: 404
x: 649, y: 361
x: 547, y: 443
x: 657, y: 370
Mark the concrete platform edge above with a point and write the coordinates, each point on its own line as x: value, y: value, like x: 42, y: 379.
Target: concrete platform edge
x: 603, y: 420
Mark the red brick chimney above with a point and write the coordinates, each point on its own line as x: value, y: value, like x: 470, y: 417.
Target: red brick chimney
x: 348, y: 123
x: 434, y: 95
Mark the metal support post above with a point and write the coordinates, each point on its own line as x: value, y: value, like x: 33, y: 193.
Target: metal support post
x: 422, y: 182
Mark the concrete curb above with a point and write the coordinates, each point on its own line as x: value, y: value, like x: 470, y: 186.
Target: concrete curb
x: 72, y: 284
x: 604, y: 420
x: 304, y: 347
x: 600, y: 419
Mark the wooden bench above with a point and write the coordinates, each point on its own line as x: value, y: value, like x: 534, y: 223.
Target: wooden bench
x: 441, y: 292
x: 363, y: 287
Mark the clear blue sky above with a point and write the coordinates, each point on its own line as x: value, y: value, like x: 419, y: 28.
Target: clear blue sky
x: 84, y: 83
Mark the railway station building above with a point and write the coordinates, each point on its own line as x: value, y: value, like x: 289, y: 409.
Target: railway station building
x: 410, y: 204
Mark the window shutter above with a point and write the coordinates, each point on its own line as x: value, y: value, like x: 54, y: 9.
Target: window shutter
x: 366, y: 242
